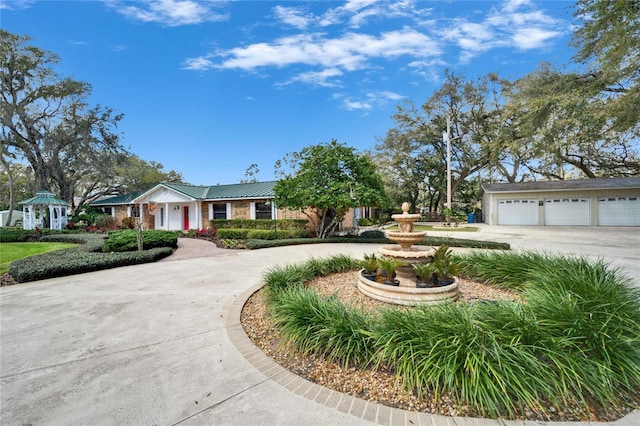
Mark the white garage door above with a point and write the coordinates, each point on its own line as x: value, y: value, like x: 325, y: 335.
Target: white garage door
x: 517, y: 212
x: 567, y: 211
x: 619, y: 211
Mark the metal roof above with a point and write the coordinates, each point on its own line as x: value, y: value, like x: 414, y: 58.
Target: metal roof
x: 44, y: 198
x: 115, y: 200
x: 236, y: 191
x: 564, y: 185
x: 197, y: 192
x: 241, y: 190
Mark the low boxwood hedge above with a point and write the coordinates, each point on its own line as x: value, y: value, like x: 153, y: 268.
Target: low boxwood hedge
x: 127, y: 240
x: 77, y: 261
x: 283, y: 224
x: 233, y: 234
x: 17, y: 235
x: 270, y: 234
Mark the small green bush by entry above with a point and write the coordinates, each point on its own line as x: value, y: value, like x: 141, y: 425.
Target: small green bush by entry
x: 574, y: 339
x: 127, y: 240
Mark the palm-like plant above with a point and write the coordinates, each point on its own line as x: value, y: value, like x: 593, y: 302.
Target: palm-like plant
x: 370, y: 264
x: 424, y: 272
x: 389, y: 266
x: 444, y: 265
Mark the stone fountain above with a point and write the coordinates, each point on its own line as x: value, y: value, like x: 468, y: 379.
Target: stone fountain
x: 406, y: 293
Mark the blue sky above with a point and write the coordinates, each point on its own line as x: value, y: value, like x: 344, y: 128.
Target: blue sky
x: 210, y: 87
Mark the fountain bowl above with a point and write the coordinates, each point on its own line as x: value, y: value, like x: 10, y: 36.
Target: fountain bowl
x: 408, y: 296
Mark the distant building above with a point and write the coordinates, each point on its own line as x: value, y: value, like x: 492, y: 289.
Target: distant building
x: 589, y: 202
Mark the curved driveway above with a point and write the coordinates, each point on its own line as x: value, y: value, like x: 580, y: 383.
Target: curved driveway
x: 161, y: 343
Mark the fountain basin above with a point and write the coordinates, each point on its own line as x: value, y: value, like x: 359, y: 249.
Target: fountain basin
x: 408, y: 296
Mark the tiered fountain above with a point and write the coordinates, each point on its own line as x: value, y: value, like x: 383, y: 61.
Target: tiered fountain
x: 406, y: 293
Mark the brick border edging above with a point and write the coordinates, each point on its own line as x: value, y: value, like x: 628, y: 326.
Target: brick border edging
x: 360, y: 408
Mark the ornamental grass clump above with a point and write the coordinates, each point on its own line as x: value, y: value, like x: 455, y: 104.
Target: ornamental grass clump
x: 449, y: 350
x: 573, y: 340
x: 323, y: 326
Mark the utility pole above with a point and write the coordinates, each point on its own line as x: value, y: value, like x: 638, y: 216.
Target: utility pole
x: 446, y: 137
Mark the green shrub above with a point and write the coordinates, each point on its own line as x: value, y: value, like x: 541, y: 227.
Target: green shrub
x: 269, y: 234
x: 233, y: 233
x: 15, y: 235
x: 76, y: 261
x: 365, y: 221
x: 127, y: 240
x: 372, y: 234
x: 282, y: 224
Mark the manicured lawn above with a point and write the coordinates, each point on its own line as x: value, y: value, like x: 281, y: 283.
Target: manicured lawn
x: 461, y: 228
x: 14, y: 251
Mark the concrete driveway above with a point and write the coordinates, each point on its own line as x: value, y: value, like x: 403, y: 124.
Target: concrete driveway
x: 161, y: 343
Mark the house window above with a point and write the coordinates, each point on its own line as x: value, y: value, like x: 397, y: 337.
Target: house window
x: 134, y: 211
x: 263, y: 211
x: 161, y: 216
x: 219, y: 211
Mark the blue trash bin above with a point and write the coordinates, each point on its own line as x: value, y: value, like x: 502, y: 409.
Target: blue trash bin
x: 470, y: 217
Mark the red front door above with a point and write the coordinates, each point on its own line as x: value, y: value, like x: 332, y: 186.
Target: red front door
x: 185, y: 218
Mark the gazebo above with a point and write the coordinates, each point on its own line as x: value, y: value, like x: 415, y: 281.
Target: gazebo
x: 44, y: 211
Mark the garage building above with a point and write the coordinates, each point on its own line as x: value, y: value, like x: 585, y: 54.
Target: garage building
x: 589, y: 202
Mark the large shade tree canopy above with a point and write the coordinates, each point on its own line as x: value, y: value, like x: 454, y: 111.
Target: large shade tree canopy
x: 324, y: 181
x: 413, y: 155
x: 72, y: 147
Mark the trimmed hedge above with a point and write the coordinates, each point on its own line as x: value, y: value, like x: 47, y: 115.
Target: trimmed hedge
x: 89, y: 255
x: 264, y: 234
x: 127, y: 240
x: 373, y: 234
x: 233, y: 234
x: 18, y: 235
x: 76, y: 261
x: 428, y: 241
x: 283, y: 224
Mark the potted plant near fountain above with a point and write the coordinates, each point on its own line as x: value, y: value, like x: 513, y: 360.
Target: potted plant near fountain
x: 389, y: 266
x: 425, y: 274
x: 369, y: 266
x: 445, y: 267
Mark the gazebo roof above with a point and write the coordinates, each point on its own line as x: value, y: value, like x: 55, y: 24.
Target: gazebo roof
x: 44, y: 198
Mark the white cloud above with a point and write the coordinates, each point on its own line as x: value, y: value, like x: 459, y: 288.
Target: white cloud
x: 350, y: 52
x: 353, y: 12
x: 369, y: 100
x: 356, y: 105
x: 532, y: 38
x: 323, y: 78
x: 169, y: 12
x: 296, y: 17
x: 516, y: 23
x: 201, y: 63
x: 16, y: 4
